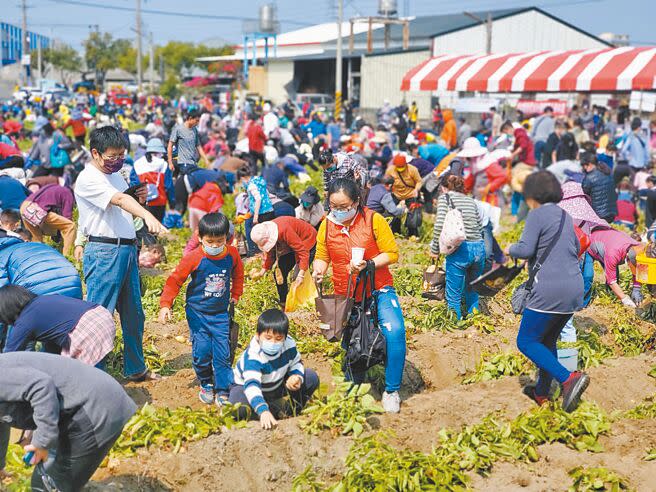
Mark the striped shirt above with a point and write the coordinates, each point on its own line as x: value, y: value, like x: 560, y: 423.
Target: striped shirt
x: 261, y: 373
x: 470, y: 218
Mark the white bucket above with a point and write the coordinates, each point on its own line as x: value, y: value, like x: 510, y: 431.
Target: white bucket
x: 569, y: 358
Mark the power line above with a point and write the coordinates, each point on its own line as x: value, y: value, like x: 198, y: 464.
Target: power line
x: 81, y: 3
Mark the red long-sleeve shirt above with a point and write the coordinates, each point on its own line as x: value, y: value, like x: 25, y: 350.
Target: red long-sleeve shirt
x: 296, y: 235
x: 256, y: 138
x: 209, y: 277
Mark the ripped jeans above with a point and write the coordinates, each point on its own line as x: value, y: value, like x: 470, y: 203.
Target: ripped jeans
x: 390, y: 319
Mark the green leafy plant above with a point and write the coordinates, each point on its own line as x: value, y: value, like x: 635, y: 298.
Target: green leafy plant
x: 592, y: 351
x: 20, y: 474
x: 590, y: 479
x: 408, y: 281
x: 344, y: 411
x: 644, y: 410
x: 169, y: 429
x: 628, y: 337
x: 495, y: 366
x: 155, y: 361
x: 652, y: 372
x: 651, y: 455
x: 307, y: 481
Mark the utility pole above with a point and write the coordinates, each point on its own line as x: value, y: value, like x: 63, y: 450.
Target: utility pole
x: 38, y: 58
x: 139, y: 71
x: 25, y: 50
x: 487, y: 22
x: 151, y: 63
x: 338, y: 60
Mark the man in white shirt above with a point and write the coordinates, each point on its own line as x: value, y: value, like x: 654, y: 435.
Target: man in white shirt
x: 111, y: 269
x: 270, y: 122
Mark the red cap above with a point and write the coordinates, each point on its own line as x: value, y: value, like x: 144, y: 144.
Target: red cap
x: 399, y: 160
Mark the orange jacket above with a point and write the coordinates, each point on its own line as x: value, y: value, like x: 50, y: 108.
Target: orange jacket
x: 360, y: 234
x: 450, y: 131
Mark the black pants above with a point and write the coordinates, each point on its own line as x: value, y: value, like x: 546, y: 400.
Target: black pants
x: 286, y: 263
x: 257, y: 157
x: 181, y: 195
x: 158, y: 211
x: 75, y: 462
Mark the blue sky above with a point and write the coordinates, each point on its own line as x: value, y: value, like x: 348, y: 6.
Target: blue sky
x: 69, y: 21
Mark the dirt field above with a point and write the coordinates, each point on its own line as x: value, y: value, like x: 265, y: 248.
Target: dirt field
x: 434, y: 397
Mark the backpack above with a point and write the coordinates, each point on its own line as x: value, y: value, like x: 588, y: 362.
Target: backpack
x: 366, y: 343
x: 453, y: 229
x: 153, y: 190
x: 58, y: 156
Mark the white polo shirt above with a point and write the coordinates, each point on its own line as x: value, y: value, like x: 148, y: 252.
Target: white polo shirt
x: 97, y: 216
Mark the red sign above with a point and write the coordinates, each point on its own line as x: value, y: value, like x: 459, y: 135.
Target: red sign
x: 531, y: 107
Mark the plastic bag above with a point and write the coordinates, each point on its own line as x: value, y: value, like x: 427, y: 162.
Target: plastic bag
x: 303, y: 295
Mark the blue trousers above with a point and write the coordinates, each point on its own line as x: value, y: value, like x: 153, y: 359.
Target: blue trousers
x: 515, y: 201
x: 538, y: 149
x: 111, y: 273
x: 390, y: 319
x: 537, y: 337
x: 210, y: 349
x: 492, y: 248
x: 462, y: 266
x: 587, y: 269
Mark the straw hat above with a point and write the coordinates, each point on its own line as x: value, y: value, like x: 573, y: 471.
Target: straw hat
x: 265, y: 235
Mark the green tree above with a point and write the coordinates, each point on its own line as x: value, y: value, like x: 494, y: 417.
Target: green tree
x: 61, y: 57
x: 103, y: 53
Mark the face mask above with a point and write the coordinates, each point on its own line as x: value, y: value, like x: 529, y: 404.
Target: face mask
x: 113, y: 165
x: 213, y: 251
x: 400, y: 168
x: 342, y: 216
x: 271, y: 348
x: 331, y: 168
x: 306, y: 204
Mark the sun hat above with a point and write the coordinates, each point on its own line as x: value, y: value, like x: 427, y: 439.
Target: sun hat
x: 472, y: 148
x: 411, y: 139
x: 265, y: 235
x: 577, y: 204
x: 155, y: 145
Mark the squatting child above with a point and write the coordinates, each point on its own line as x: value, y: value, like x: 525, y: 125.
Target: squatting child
x: 270, y: 368
x: 217, y: 279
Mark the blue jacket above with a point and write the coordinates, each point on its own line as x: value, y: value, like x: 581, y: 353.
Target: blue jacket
x: 636, y: 151
x: 12, y: 193
x: 601, y: 189
x: 37, y: 267
x: 433, y: 152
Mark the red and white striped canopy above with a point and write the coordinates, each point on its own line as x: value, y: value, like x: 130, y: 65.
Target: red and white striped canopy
x: 606, y: 70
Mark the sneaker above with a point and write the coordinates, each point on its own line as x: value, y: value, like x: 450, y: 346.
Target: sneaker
x: 573, y: 388
x: 206, y: 395
x: 144, y: 376
x: 220, y: 400
x: 529, y: 391
x: 391, y: 402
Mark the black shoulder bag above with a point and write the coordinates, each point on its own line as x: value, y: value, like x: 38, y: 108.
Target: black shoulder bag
x: 522, y: 293
x: 366, y: 347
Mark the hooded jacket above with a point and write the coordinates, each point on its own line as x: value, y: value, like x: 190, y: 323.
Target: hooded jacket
x: 450, y: 131
x: 38, y: 268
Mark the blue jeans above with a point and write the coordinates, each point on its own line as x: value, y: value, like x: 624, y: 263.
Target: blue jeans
x: 112, y: 276
x: 210, y: 349
x: 587, y: 269
x: 390, y: 320
x: 538, y: 149
x: 515, y: 202
x: 492, y: 249
x: 537, y: 338
x: 462, y: 266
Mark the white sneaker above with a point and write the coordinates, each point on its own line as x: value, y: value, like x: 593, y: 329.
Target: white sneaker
x: 391, y: 402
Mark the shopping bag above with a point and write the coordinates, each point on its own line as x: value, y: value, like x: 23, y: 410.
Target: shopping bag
x: 334, y: 311
x: 300, y: 296
x: 434, y: 283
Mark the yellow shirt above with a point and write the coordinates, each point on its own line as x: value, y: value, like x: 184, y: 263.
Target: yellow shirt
x: 382, y: 233
x: 405, y: 182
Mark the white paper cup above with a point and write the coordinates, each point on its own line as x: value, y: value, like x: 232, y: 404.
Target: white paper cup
x: 357, y: 255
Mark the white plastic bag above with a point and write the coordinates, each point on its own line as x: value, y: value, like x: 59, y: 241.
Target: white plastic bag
x: 453, y: 230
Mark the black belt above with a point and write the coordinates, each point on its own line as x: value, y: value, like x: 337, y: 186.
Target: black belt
x: 119, y: 241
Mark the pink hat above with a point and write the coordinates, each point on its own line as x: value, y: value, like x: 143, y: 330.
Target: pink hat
x: 577, y: 204
x: 265, y: 235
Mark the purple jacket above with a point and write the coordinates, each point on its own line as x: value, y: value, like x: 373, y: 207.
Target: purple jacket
x: 55, y: 198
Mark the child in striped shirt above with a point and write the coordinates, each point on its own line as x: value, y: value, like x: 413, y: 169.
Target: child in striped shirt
x: 270, y: 368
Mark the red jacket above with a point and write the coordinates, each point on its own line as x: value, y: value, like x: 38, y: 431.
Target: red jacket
x: 256, y: 138
x: 626, y: 212
x: 293, y: 235
x: 208, y: 199
x: 8, y: 150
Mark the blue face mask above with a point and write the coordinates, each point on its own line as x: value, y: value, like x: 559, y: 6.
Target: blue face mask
x: 342, y: 216
x: 213, y: 251
x: 331, y: 168
x: 271, y: 348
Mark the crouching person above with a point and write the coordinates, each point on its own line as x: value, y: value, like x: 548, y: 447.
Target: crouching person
x: 269, y: 369
x: 76, y: 411
x: 64, y: 325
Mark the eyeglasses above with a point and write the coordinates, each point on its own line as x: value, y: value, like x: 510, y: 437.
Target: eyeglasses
x: 343, y: 209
